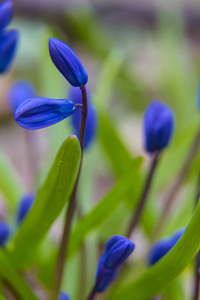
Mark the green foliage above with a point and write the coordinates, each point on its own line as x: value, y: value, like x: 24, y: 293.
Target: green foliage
x: 50, y: 199
x: 168, y: 268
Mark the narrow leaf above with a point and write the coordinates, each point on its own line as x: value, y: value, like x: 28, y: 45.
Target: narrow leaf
x: 102, y: 211
x: 168, y: 268
x: 17, y: 283
x: 49, y: 202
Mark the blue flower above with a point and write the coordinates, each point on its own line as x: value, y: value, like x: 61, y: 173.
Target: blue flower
x: 158, y: 126
x: 67, y: 62
x: 20, y: 91
x: 36, y: 113
x: 24, y: 207
x: 6, y: 13
x: 117, y: 250
x: 103, y: 276
x: 8, y: 43
x: 160, y: 248
x: 5, y: 232
x: 64, y: 296
x: 91, y: 123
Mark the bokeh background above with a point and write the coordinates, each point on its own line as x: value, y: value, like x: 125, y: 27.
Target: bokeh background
x: 134, y: 52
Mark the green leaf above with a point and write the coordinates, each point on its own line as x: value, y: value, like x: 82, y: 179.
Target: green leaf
x: 17, y: 283
x: 112, y: 144
x: 102, y: 211
x: 9, y: 185
x: 168, y: 268
x: 50, y: 200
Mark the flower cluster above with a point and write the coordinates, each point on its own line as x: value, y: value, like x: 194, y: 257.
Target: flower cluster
x: 8, y: 38
x: 117, y: 250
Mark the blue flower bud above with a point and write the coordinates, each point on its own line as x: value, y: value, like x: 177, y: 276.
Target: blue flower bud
x: 117, y: 250
x: 158, y: 126
x: 75, y: 96
x: 160, y: 248
x: 6, y: 13
x: 20, y: 91
x: 24, y: 207
x: 67, y: 62
x: 4, y: 233
x: 64, y: 296
x: 8, y: 43
x: 104, y: 277
x: 36, y: 113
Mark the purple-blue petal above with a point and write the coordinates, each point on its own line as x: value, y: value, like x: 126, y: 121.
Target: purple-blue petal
x: 158, y: 126
x: 8, y: 44
x: 6, y: 13
x: 67, y: 62
x: 36, y: 113
x: 162, y: 247
x: 107, y: 276
x: 5, y: 232
x: 75, y: 96
x: 117, y: 251
x: 64, y: 296
x: 24, y: 206
x: 20, y: 91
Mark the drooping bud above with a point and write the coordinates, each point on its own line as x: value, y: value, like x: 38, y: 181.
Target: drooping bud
x: 36, y: 113
x: 8, y: 43
x: 104, y: 277
x: 24, y: 207
x: 67, y: 62
x: 6, y: 13
x: 158, y: 126
x: 20, y: 91
x: 64, y: 296
x: 162, y: 247
x: 4, y: 233
x: 75, y: 96
x: 117, y: 250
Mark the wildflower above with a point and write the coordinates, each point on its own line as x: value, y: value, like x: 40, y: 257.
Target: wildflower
x: 160, y: 248
x: 8, y: 43
x: 67, y: 62
x: 64, y: 296
x: 91, y: 123
x: 36, y: 113
x: 158, y: 126
x: 24, y: 206
x: 5, y: 232
x: 20, y: 91
x: 117, y: 250
x: 6, y: 13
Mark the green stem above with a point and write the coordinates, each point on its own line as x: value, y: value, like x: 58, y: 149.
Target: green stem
x: 71, y: 208
x: 143, y: 198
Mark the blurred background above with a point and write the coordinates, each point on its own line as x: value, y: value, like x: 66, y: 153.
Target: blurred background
x: 134, y: 52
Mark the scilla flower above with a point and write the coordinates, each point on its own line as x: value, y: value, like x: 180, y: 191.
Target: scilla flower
x: 8, y: 43
x: 24, y: 207
x: 160, y: 248
x: 117, y: 250
x: 67, y: 62
x: 20, y: 91
x: 91, y: 123
x: 64, y: 296
x: 5, y: 232
x: 36, y: 113
x: 6, y: 13
x: 158, y: 126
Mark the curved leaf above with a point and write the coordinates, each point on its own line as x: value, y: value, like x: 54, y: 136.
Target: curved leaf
x: 50, y: 200
x: 168, y: 268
